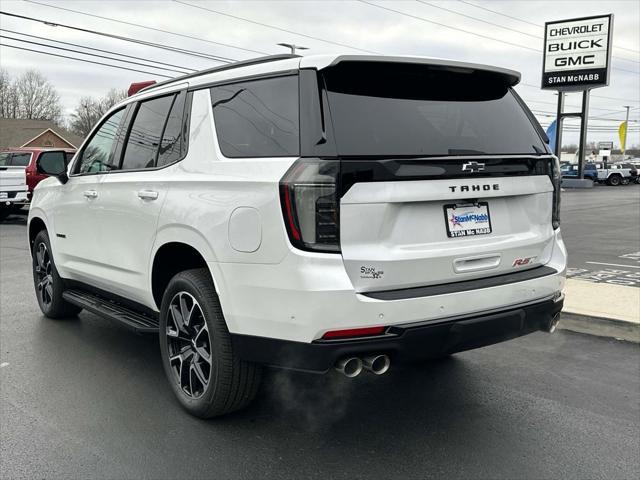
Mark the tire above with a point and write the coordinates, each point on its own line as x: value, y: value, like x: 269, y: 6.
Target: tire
x: 4, y: 213
x: 207, y: 388
x: 614, y: 180
x: 46, y: 281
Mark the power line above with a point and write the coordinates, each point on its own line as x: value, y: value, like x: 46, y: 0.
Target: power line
x: 530, y: 23
x: 537, y: 87
x: 617, y: 111
x: 553, y: 114
x: 84, y: 60
x: 447, y: 26
x: 170, y: 48
x: 500, y: 13
x: 92, y: 54
x: 471, y: 33
x: 147, y: 27
x: 98, y: 50
x: 478, y: 19
x: 275, y: 27
x: 614, y: 111
x: 539, y: 37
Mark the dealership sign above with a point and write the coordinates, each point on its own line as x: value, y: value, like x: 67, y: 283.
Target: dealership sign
x: 577, y: 53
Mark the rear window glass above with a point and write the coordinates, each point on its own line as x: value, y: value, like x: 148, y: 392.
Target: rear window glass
x: 20, y: 159
x: 258, y: 118
x: 402, y: 109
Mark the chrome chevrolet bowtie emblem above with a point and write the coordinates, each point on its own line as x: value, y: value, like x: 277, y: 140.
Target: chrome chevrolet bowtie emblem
x: 473, y: 167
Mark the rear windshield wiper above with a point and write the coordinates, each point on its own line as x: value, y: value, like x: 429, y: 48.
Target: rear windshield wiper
x: 462, y: 151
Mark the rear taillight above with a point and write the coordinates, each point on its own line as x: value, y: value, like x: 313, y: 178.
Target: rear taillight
x: 310, y: 204
x: 556, y: 178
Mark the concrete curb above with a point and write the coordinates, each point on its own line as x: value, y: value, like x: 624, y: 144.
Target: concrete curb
x: 599, y: 326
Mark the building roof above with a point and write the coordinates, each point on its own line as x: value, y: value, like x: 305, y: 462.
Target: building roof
x: 16, y: 132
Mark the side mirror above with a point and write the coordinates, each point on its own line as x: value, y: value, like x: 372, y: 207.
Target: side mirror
x: 54, y: 163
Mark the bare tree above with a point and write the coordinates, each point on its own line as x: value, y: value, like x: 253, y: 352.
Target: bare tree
x: 9, y: 101
x: 90, y: 110
x: 38, y: 99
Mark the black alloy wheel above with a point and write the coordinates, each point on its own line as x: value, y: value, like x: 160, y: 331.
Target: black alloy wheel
x: 44, y: 273
x: 205, y: 373
x: 49, y: 286
x: 188, y: 344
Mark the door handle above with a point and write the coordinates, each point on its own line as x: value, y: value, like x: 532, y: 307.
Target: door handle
x: 147, y: 195
x: 90, y: 193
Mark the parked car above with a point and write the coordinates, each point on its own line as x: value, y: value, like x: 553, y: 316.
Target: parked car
x: 612, y: 174
x: 27, y: 158
x: 570, y: 170
x: 307, y: 213
x: 13, y: 186
x: 633, y: 170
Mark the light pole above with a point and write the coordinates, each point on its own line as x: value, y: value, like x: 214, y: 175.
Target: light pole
x: 293, y: 47
x: 626, y: 129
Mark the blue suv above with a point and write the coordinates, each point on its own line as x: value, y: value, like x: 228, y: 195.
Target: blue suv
x: 571, y: 171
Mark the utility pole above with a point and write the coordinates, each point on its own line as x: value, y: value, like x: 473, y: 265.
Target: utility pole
x: 626, y: 129
x: 293, y: 47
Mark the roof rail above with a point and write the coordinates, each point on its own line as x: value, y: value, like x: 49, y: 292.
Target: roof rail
x: 220, y: 68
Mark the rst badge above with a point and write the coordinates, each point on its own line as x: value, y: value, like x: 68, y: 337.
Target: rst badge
x: 521, y: 262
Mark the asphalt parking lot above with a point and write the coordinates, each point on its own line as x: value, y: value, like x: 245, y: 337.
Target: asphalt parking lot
x: 601, y: 228
x: 84, y: 398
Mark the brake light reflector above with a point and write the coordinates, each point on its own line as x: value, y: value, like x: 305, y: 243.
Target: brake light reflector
x: 353, y: 332
x: 556, y: 179
x: 310, y: 205
x: 137, y: 86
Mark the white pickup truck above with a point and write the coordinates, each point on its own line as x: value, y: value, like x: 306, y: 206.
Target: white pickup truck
x: 613, y: 174
x: 13, y: 189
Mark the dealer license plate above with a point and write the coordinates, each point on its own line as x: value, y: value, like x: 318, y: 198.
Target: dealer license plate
x: 464, y: 220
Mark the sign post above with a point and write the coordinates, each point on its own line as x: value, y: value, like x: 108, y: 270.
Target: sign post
x: 576, y: 58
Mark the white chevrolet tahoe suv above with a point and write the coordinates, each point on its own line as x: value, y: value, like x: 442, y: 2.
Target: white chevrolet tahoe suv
x: 307, y: 213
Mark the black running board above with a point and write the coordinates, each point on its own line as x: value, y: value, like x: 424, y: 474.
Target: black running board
x: 136, y: 321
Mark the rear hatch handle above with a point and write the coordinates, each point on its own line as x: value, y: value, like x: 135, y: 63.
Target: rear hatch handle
x: 476, y: 263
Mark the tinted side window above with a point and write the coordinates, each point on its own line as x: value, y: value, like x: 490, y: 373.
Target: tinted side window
x: 53, y: 161
x: 171, y: 146
x: 258, y: 118
x: 20, y: 159
x: 4, y: 158
x: 96, y: 156
x: 145, y: 133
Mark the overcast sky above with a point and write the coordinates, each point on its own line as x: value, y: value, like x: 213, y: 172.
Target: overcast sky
x: 356, y: 25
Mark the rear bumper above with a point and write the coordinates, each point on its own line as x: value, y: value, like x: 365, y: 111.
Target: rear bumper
x: 13, y: 198
x: 408, y: 342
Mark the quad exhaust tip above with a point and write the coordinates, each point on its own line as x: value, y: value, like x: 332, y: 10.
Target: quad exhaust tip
x: 352, y: 366
x: 377, y: 364
x: 349, y: 366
